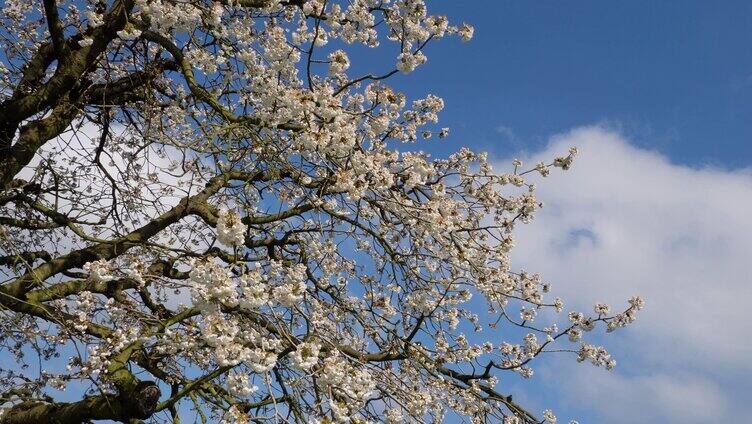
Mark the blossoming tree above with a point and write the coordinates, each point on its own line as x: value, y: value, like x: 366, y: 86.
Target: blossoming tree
x: 207, y: 214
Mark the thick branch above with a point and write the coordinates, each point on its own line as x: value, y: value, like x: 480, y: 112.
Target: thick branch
x: 56, y: 93
x: 55, y: 27
x: 139, y: 404
x: 125, y: 88
x: 24, y: 257
x: 32, y: 137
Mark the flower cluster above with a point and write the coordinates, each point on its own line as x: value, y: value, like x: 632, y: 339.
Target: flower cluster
x: 239, y: 384
x: 230, y: 228
x: 352, y: 386
x: 306, y: 355
x: 99, y: 271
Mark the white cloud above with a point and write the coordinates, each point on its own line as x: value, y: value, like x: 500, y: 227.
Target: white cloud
x: 614, y: 398
x: 626, y: 221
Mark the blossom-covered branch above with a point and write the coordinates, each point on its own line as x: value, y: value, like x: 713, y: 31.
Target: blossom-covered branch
x: 205, y: 211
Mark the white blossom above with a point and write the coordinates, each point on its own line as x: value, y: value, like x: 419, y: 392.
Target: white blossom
x: 338, y: 62
x: 466, y: 32
x: 306, y: 355
x: 129, y: 33
x: 407, y: 62
x: 239, y: 384
x: 99, y: 271
x: 230, y: 228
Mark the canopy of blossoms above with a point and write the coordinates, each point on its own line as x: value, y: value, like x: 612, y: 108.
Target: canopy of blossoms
x: 207, y: 213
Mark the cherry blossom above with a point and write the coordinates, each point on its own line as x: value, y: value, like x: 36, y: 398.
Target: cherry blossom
x: 223, y: 206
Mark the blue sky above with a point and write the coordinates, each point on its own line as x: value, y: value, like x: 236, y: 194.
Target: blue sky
x: 676, y: 75
x: 658, y: 96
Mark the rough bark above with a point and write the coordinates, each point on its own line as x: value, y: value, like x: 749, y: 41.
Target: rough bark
x: 140, y: 403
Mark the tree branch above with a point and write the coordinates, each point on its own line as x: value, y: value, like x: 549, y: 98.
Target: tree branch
x: 55, y: 28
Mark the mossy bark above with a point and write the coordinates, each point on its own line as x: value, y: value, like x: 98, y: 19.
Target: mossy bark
x: 139, y: 404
